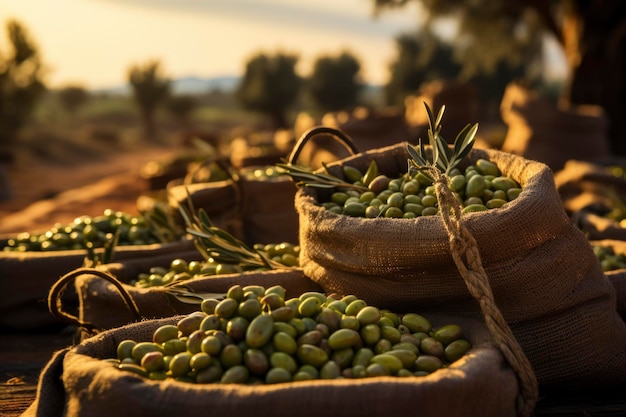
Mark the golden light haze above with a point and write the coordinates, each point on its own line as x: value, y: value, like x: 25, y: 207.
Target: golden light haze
x: 94, y: 42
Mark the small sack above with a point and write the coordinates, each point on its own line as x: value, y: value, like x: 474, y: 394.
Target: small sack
x: 589, y: 186
x: 255, y: 210
x: 597, y: 227
x: 106, y: 300
x: 26, y: 278
x: 542, y: 271
x: 77, y: 382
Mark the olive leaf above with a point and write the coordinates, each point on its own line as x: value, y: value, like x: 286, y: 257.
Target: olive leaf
x: 444, y: 157
x: 188, y: 296
x: 307, y: 177
x: 220, y: 246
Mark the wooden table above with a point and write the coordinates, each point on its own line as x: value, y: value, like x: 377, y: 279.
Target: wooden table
x: 22, y: 357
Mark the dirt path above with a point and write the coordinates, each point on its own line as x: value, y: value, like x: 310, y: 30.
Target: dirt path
x: 45, y: 193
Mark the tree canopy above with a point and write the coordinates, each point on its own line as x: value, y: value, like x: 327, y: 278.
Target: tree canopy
x: 150, y: 90
x: 334, y: 83
x: 21, y: 85
x: 270, y: 85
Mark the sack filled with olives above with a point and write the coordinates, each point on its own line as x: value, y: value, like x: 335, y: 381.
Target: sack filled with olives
x: 265, y: 347
x: 542, y: 271
x: 31, y: 262
x: 115, y: 294
x: 255, y: 204
x: 107, y: 298
x: 612, y: 257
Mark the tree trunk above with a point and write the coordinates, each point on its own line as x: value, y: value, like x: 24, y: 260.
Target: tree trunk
x: 594, y: 37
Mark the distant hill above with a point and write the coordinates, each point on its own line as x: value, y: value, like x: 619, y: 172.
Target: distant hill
x: 185, y: 85
x: 227, y: 84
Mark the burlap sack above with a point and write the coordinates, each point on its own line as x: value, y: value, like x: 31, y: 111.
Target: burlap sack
x: 220, y: 200
x: 106, y: 300
x: 543, y: 131
x: 253, y: 210
x: 542, y: 271
x: 26, y: 278
x: 589, y: 186
x: 597, y: 227
x: 75, y: 382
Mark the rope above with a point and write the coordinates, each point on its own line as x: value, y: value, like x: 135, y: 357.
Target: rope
x: 467, y: 258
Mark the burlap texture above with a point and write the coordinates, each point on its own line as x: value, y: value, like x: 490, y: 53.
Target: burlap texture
x: 26, y: 278
x: 77, y: 383
x: 543, y: 273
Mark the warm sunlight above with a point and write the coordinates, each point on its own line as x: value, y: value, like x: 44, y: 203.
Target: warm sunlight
x: 93, y: 42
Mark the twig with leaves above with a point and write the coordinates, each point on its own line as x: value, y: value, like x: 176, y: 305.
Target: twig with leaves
x: 444, y: 157
x: 215, y: 243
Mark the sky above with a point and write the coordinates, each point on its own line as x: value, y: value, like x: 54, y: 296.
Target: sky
x: 93, y: 43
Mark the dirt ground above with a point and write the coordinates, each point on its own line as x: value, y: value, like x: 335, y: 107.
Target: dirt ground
x: 48, y: 192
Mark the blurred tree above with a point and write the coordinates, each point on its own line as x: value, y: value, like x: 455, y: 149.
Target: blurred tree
x: 591, y: 33
x: 334, y: 83
x: 150, y: 90
x: 21, y: 86
x: 181, y: 106
x: 420, y: 58
x: 72, y: 97
x: 270, y: 85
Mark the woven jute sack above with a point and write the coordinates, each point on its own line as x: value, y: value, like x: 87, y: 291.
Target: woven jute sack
x: 76, y: 382
x: 107, y: 300
x: 589, y: 186
x: 26, y: 278
x: 598, y: 227
x: 253, y: 210
x: 540, y: 130
x: 541, y: 270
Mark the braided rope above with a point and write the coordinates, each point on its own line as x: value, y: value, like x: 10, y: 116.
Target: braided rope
x: 464, y: 249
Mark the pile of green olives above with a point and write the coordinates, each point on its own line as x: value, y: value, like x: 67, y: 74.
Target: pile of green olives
x: 87, y: 231
x: 179, y: 269
x: 608, y: 258
x: 480, y: 187
x: 257, y: 335
x: 265, y: 173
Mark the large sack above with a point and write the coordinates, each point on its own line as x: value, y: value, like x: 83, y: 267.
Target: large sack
x: 76, y: 382
x: 26, y: 278
x: 541, y: 269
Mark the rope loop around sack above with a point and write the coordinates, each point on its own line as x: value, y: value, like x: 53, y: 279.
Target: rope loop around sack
x: 55, y: 297
x: 466, y: 255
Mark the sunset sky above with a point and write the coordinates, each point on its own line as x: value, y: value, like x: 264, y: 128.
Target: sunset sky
x: 94, y: 42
